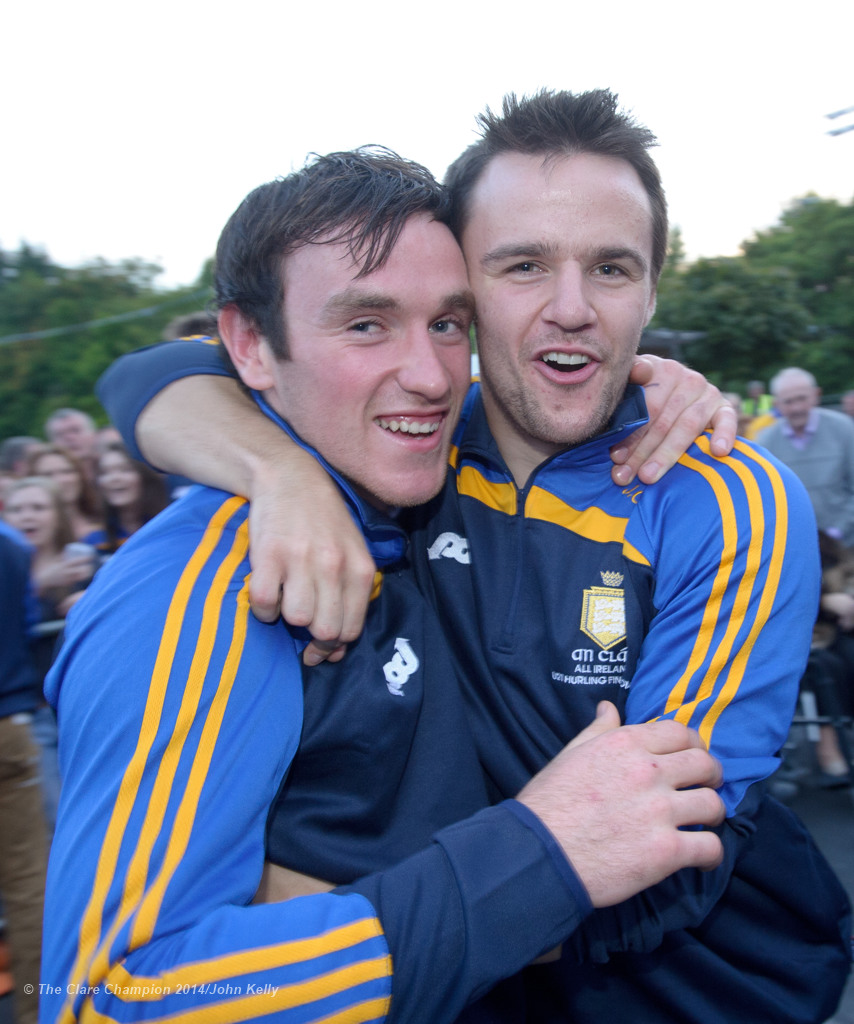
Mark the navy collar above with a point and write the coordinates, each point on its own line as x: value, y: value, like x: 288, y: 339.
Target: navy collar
x: 474, y: 438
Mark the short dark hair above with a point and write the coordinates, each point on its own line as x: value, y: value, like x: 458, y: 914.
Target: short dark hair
x: 363, y: 197
x: 561, y: 124
x: 190, y: 325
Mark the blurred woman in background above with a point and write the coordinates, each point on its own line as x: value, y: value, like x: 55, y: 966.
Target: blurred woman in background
x: 79, y: 496
x: 61, y: 570
x: 132, y: 494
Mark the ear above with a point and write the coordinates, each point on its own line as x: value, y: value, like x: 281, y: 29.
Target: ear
x: 247, y: 347
x: 650, y: 307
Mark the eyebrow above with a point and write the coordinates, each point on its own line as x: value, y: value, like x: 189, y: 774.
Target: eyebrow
x: 518, y: 250
x: 547, y: 251
x: 355, y: 301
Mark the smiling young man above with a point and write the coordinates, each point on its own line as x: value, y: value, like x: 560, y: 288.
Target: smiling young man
x: 692, y: 599
x: 343, y: 297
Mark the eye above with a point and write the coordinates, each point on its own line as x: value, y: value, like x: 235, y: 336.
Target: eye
x: 448, y: 326
x: 526, y: 267
x: 363, y: 326
x: 609, y: 270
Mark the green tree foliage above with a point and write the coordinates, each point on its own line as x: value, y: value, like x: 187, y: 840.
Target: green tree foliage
x: 752, y: 317
x: 787, y: 301
x: 74, y: 322
x: 815, y: 240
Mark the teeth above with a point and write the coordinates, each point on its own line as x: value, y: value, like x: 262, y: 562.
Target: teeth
x: 566, y: 359
x: 409, y: 426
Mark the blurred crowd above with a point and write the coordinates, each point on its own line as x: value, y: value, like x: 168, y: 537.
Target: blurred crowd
x: 68, y: 501
x: 817, y: 443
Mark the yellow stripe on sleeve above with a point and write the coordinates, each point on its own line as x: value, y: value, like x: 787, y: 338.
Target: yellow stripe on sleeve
x: 768, y: 592
x: 91, y: 924
x: 713, y: 678
x: 244, y: 1005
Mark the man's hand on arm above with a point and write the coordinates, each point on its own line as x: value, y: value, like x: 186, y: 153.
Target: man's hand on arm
x: 309, y: 560
x: 681, y: 404
x: 615, y: 800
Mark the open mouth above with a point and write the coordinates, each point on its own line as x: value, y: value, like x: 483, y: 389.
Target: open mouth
x: 566, y: 362
x: 405, y: 425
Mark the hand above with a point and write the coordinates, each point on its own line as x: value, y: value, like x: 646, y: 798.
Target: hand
x: 681, y: 403
x: 615, y: 799
x: 64, y: 572
x: 309, y: 560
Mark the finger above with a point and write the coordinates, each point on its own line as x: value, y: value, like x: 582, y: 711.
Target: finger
x: 684, y: 769
x: 265, y: 592
x: 356, y: 594
x: 299, y: 605
x: 607, y: 718
x: 698, y: 807
x: 341, y: 582
x: 643, y: 369
x: 666, y: 439
x: 318, y: 651
x: 665, y: 736
x: 724, y: 428
x: 701, y: 849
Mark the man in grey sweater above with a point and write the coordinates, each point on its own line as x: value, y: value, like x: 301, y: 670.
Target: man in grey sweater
x: 818, y: 445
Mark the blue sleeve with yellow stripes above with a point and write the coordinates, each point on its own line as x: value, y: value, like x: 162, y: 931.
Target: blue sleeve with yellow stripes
x: 129, y: 384
x: 733, y: 546
x: 179, y: 714
x: 732, y: 543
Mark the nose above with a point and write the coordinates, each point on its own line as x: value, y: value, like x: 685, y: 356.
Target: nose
x: 424, y: 367
x: 568, y: 300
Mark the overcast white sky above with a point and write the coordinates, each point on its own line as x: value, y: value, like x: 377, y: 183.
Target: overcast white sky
x: 134, y: 129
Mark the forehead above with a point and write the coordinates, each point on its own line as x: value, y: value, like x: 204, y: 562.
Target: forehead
x: 73, y: 422
x: 579, y: 200
x: 795, y: 392
x: 425, y: 267
x: 30, y: 495
x: 53, y: 460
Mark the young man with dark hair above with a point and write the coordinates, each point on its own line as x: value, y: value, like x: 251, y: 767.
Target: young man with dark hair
x: 180, y: 714
x: 558, y: 588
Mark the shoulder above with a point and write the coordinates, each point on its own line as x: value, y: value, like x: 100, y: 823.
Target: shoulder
x: 749, y: 483
x: 836, y: 421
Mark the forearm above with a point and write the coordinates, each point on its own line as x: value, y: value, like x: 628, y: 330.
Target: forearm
x: 174, y: 434
x: 176, y: 406
x: 485, y: 899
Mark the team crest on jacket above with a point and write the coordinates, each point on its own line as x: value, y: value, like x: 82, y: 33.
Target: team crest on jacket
x: 603, y: 613
x: 400, y: 668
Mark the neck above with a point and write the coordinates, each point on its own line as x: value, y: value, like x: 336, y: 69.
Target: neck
x: 521, y: 452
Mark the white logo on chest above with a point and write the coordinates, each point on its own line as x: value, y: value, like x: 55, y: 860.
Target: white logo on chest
x: 450, y: 545
x: 400, y: 668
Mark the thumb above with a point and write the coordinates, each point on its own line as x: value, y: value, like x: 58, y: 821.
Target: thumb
x: 642, y: 370
x: 607, y: 718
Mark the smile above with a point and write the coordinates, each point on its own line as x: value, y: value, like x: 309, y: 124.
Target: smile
x: 408, y: 426
x: 564, y: 361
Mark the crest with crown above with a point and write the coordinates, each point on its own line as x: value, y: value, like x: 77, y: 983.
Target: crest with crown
x: 611, y: 579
